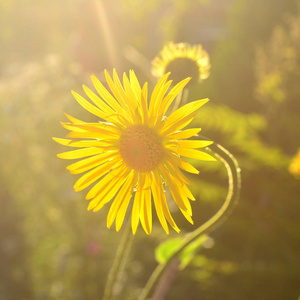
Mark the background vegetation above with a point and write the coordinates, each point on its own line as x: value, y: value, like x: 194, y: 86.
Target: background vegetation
x: 50, y: 246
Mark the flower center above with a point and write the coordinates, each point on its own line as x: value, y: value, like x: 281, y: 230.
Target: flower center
x: 181, y: 68
x: 141, y: 148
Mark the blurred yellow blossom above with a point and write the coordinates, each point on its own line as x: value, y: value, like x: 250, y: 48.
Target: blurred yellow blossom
x: 294, y: 167
x: 182, y: 60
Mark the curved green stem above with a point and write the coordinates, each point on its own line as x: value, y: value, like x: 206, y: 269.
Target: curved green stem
x: 234, y: 185
x: 119, y: 262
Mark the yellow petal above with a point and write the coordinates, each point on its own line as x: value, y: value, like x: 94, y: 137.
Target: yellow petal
x: 176, y: 173
x: 135, y: 217
x: 115, y: 174
x: 182, y: 202
x: 155, y: 92
x: 102, y: 196
x: 141, y: 191
x: 80, y: 153
x: 144, y: 103
x: 120, y: 94
x: 179, y: 179
x: 188, y: 193
x: 158, y: 206
x: 185, y: 134
x: 107, y: 97
x: 196, y: 154
x: 122, y: 211
x: 107, y: 193
x: 74, y: 120
x: 130, y: 92
x: 143, y: 215
x: 159, y: 99
x: 182, y: 164
x: 129, y: 101
x: 82, y: 143
x: 190, y: 144
x: 158, y: 118
x: 139, y: 194
x: 182, y: 112
x: 134, y: 100
x: 92, y: 135
x: 99, y: 102
x: 65, y: 125
x: 89, y: 107
x: 90, y: 177
x: 163, y: 202
x: 171, y: 96
x: 187, y: 216
x: 147, y: 211
x: 117, y: 95
x: 91, y: 162
x: 93, y: 127
x: 135, y: 84
x: 124, y: 191
x: 178, y: 125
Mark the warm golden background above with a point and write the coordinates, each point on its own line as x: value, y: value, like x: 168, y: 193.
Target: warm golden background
x: 50, y: 246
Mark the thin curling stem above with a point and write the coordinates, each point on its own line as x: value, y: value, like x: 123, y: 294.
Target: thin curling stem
x: 119, y: 262
x: 234, y: 186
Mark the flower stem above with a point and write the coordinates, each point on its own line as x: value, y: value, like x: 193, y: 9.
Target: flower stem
x: 119, y: 263
x: 180, y: 99
x: 234, y: 185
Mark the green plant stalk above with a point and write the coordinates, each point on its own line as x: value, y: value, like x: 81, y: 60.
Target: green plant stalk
x: 180, y: 99
x: 234, y: 185
x: 119, y: 262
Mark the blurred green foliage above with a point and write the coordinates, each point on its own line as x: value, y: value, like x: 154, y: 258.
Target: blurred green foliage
x: 50, y: 246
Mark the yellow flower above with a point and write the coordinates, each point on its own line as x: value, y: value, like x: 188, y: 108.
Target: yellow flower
x: 295, y: 165
x: 182, y: 60
x: 134, y: 151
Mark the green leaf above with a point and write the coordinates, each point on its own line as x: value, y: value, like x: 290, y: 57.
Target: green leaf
x: 166, y: 249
